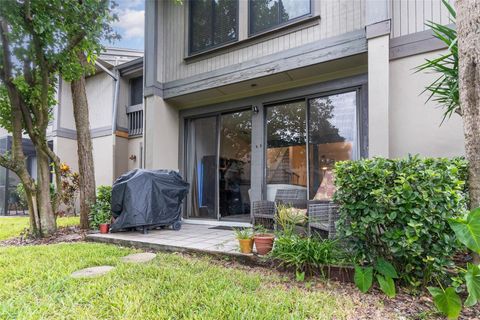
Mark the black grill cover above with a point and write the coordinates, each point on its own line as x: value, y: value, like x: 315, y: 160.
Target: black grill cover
x: 147, y: 198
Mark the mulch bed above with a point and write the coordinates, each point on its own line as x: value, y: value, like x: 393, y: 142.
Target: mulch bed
x: 66, y: 234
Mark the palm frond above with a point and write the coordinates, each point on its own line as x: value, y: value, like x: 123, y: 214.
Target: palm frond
x: 444, y: 90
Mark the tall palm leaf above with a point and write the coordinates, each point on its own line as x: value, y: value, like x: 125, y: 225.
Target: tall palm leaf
x: 444, y: 90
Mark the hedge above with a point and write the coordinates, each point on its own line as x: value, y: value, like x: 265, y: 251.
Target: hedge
x: 397, y: 209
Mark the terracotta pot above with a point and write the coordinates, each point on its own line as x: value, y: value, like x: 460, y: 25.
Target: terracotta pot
x: 104, y: 227
x: 246, y: 245
x: 263, y: 243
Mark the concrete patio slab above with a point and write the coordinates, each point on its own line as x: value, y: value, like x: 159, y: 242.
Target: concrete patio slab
x: 198, y: 238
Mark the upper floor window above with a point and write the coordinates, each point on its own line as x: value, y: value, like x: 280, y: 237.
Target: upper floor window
x: 212, y: 23
x: 136, y: 91
x: 267, y: 14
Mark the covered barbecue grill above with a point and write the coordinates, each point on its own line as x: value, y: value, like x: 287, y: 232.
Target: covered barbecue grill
x: 147, y: 199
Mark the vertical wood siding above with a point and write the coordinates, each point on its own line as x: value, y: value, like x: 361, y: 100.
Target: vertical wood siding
x: 409, y: 16
x: 336, y: 17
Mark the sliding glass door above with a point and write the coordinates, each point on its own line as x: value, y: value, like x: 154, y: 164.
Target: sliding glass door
x: 305, y: 138
x: 202, y: 167
x: 234, y: 165
x: 218, y: 166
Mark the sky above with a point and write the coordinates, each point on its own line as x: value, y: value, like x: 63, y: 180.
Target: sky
x: 130, y: 24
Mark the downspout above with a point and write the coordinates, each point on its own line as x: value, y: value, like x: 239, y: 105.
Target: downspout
x: 114, y: 123
x: 115, y: 101
x: 116, y: 78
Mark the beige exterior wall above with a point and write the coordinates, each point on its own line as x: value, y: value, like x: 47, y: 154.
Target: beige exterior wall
x: 100, y: 92
x: 135, y: 146
x: 120, y: 150
x: 415, y: 126
x: 161, y: 131
x: 66, y: 150
x: 335, y: 17
x: 410, y: 16
x: 103, y: 159
x: 65, y: 108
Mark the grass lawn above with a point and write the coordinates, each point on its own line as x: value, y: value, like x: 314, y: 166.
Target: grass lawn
x: 12, y: 226
x: 36, y: 284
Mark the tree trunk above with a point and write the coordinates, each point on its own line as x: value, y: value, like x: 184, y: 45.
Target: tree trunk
x: 47, y: 216
x: 468, y: 22
x: 84, y: 148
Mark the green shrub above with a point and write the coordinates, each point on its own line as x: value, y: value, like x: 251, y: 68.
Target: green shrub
x: 100, y: 212
x: 399, y: 210
x: 305, y: 253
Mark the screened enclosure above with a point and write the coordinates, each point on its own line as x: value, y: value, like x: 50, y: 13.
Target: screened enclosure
x: 10, y: 202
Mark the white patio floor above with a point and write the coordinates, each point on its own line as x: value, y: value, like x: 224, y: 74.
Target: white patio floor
x: 191, y: 237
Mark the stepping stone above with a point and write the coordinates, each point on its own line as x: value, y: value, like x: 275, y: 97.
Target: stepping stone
x: 139, y: 257
x: 92, y: 272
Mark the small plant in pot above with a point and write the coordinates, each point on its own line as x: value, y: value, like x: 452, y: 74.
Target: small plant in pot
x: 100, y: 212
x: 245, y: 240
x: 263, y: 240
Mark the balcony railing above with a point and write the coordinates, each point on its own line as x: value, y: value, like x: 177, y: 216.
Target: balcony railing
x: 135, y: 120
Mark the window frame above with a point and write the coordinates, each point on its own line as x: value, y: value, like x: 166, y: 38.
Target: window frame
x: 213, y: 47
x: 281, y: 25
x: 359, y: 113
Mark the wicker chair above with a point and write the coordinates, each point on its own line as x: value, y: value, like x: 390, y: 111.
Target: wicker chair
x: 322, y: 216
x: 264, y: 211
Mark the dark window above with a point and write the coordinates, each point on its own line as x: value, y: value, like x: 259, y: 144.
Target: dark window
x: 136, y: 91
x: 212, y: 23
x: 266, y: 14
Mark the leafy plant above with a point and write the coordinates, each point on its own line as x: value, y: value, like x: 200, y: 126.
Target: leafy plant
x: 384, y: 273
x: 467, y: 230
x: 243, y: 234
x: 70, y: 187
x: 447, y: 301
x: 306, y: 253
x: 398, y: 209
x: 101, y: 211
x: 444, y: 89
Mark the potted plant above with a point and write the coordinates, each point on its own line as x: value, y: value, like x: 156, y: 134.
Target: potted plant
x: 100, y: 211
x: 245, y: 240
x: 263, y: 241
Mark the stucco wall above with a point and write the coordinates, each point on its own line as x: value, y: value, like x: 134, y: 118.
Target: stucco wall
x: 66, y: 150
x: 415, y: 126
x: 100, y: 89
x: 120, y: 156
x: 65, y: 108
x: 161, y: 134
x: 134, y: 148
x: 103, y: 159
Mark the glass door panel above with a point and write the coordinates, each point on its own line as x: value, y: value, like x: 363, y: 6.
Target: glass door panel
x: 202, y: 168
x: 332, y: 137
x: 234, y: 165
x: 286, y: 154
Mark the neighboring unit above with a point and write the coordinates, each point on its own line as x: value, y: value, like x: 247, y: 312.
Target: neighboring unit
x: 115, y: 96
